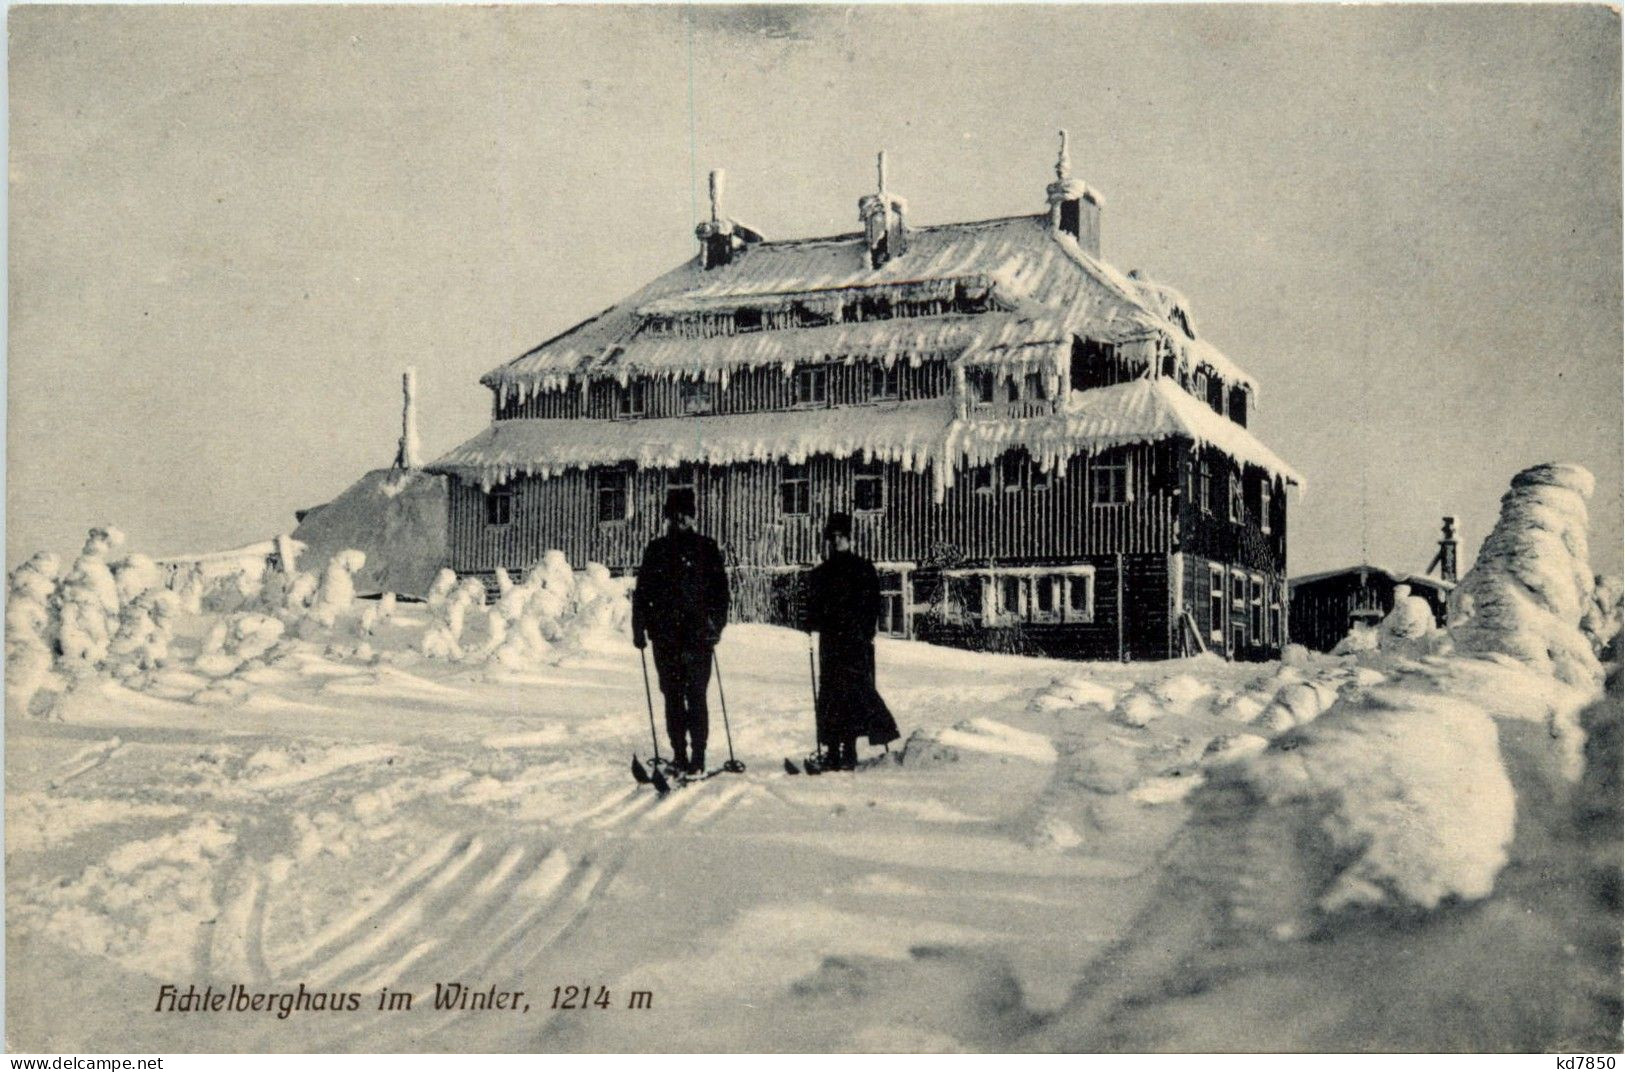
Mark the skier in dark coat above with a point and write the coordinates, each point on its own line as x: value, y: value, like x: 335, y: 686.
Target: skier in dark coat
x: 681, y: 604
x: 844, y: 611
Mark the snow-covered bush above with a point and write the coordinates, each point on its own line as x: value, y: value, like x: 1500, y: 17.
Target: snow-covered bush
x: 89, y: 604
x: 443, y: 638
x: 146, y: 627
x: 134, y: 575
x: 1532, y: 583
x: 377, y: 614
x: 236, y: 640
x: 31, y: 630
x: 552, y: 612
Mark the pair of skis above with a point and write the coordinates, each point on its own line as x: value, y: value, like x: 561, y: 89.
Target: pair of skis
x: 655, y: 773
x: 665, y: 776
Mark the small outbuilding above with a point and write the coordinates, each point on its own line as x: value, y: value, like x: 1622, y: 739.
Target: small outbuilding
x: 1325, y: 606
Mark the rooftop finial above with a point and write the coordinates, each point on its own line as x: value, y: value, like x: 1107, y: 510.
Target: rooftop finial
x: 1063, y: 162
x: 880, y: 170
x: 718, y: 177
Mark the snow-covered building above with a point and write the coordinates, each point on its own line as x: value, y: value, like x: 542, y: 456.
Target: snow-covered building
x: 1323, y: 607
x: 1040, y: 452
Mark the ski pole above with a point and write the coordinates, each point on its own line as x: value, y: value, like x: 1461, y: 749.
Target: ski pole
x: 733, y: 764
x: 648, y: 698
x: 812, y: 674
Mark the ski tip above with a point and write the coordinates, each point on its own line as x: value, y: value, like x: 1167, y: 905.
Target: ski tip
x: 661, y: 785
x: 639, y: 771
x: 791, y: 768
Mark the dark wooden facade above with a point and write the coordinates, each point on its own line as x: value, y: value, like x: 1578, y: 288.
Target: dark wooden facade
x: 1000, y: 529
x: 1327, y: 605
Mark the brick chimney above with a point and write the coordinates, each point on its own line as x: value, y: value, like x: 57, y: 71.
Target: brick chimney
x: 1445, y: 560
x: 1074, y: 207
x: 882, y: 214
x: 721, y: 239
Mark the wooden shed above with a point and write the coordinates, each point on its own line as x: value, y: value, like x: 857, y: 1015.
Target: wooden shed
x: 1325, y: 606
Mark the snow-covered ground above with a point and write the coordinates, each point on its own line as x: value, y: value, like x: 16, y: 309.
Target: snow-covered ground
x: 1402, y: 848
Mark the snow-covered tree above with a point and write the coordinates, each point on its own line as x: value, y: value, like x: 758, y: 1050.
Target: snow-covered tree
x: 1532, y: 583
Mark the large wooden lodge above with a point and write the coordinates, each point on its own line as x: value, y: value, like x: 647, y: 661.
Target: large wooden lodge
x: 1039, y: 452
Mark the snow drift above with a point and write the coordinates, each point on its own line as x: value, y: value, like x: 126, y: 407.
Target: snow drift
x: 396, y: 518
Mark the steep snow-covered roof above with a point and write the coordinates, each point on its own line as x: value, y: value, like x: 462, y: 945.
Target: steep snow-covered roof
x: 919, y: 435
x: 1043, y: 286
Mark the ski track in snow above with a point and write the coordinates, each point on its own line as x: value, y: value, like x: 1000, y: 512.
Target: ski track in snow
x: 396, y: 828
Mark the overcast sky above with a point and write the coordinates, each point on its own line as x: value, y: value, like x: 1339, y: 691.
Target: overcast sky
x: 231, y: 228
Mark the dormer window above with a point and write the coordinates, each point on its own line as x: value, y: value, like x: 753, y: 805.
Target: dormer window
x: 1238, y: 405
x: 747, y: 319
x: 980, y: 384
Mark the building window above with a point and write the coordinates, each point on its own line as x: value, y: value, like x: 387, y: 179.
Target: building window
x: 971, y: 600
x: 746, y: 319
x: 1038, y: 478
x: 1204, y: 486
x: 1199, y: 385
x: 795, y: 491
x: 885, y: 382
x: 1264, y: 502
x: 696, y: 396
x: 869, y: 486
x: 1013, y: 470
x: 981, y: 479
x: 1238, y: 510
x: 980, y: 384
x: 1258, y: 609
x: 1275, y: 615
x: 1009, y: 592
x: 1215, y: 394
x: 811, y: 386
x: 499, y: 505
x: 1012, y: 389
x: 1215, y: 605
x: 1034, y: 387
x: 1238, y: 405
x: 682, y: 478
x: 893, y: 617
x: 1047, y: 598
x: 1238, y: 611
x: 1109, y: 480
x: 629, y: 400
x: 612, y: 495
x: 1080, y: 597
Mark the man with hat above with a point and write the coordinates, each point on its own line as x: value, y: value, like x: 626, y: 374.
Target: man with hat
x: 681, y: 605
x: 844, y: 609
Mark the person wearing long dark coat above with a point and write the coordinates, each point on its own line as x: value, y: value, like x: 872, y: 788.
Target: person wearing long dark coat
x: 844, y: 609
x: 680, y: 604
